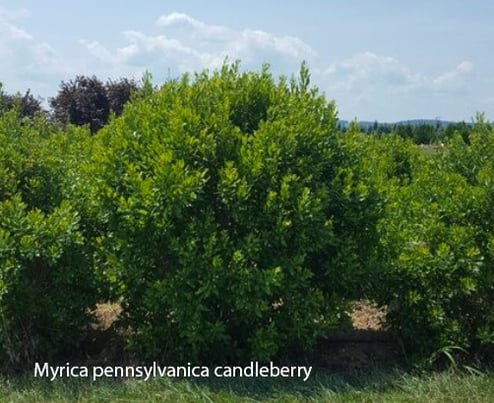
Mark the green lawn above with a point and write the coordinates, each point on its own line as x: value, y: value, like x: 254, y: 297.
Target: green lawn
x: 376, y: 387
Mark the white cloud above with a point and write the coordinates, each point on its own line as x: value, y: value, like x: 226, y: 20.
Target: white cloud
x: 26, y: 61
x: 184, y: 20
x: 368, y: 71
x: 380, y: 85
x: 455, y: 80
x: 290, y: 46
x: 187, y: 44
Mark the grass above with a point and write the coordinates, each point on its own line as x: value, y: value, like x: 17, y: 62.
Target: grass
x: 377, y: 386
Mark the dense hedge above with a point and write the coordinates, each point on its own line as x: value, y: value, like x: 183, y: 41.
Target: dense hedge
x: 437, y: 276
x: 47, y: 285
x: 233, y: 221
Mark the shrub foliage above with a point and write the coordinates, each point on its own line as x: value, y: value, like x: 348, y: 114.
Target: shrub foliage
x: 46, y: 284
x: 233, y: 221
x: 437, y: 277
x: 233, y: 215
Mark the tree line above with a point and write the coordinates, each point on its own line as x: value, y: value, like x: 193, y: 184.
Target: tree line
x: 419, y: 131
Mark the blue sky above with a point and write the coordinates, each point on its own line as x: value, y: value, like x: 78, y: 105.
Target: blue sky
x: 379, y: 60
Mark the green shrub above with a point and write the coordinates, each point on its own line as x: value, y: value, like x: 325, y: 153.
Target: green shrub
x: 231, y: 210
x: 46, y: 281
x: 44, y: 290
x: 438, y: 236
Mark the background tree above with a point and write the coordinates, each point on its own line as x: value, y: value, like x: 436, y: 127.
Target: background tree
x: 119, y: 93
x: 462, y: 128
x: 28, y: 105
x: 82, y: 101
x: 86, y: 100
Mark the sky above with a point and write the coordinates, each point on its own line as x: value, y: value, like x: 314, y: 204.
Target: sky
x: 378, y: 60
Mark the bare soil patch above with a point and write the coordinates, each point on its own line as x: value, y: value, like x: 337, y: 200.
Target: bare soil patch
x: 367, y: 316
x: 367, y: 346
x: 106, y: 314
